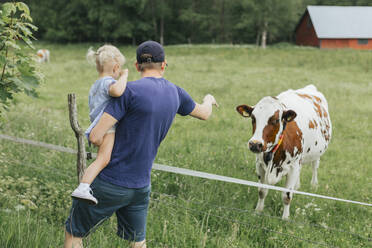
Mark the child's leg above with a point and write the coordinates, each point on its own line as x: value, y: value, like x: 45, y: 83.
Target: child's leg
x: 83, y: 191
x: 103, y: 158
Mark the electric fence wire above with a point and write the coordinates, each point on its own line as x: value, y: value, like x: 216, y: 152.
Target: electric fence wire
x: 193, y: 173
x: 58, y: 171
x: 68, y: 150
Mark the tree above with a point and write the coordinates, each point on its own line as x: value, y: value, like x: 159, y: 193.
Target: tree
x: 172, y: 21
x: 18, y: 71
x: 91, y: 20
x: 193, y: 20
x: 160, y: 12
x: 270, y: 15
x: 265, y: 21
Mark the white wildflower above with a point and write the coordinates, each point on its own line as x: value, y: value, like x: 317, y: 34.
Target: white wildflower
x: 324, y: 225
x: 19, y: 207
x: 310, y: 205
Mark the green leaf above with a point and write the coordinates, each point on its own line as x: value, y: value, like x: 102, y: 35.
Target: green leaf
x: 9, y: 8
x: 31, y: 93
x: 30, y: 82
x: 26, y: 17
x: 2, y: 60
x: 26, y: 73
x: 23, y: 7
x: 29, y: 43
x: 20, y: 84
x: 12, y: 44
x: 24, y: 29
x: 33, y: 27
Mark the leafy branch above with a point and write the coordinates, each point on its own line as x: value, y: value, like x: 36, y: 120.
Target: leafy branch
x: 18, y: 68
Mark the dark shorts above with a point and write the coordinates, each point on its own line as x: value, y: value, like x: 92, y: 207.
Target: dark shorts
x: 130, y: 206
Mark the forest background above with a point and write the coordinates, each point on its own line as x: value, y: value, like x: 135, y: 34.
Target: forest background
x: 172, y: 21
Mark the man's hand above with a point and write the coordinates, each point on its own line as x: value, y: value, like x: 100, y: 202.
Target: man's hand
x: 210, y: 99
x: 104, y: 124
x: 203, y: 111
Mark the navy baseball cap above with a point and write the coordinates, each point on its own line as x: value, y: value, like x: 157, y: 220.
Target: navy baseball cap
x: 152, y: 48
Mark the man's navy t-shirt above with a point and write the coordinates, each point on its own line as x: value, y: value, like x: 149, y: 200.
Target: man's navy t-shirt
x: 144, y: 113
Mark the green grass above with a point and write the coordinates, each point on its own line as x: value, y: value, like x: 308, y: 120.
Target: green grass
x: 203, y: 212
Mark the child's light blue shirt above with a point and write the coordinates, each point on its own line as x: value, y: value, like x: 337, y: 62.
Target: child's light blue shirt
x: 98, y: 99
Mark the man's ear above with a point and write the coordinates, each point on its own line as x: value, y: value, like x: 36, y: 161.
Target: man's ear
x: 163, y: 64
x: 244, y: 110
x: 289, y: 115
x: 136, y: 65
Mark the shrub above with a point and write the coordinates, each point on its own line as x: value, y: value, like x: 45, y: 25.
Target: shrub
x: 18, y: 72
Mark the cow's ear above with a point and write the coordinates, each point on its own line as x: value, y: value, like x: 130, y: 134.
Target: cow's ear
x: 244, y: 110
x: 289, y: 115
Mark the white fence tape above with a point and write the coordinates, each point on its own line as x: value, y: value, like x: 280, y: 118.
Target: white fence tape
x: 188, y: 172
x: 245, y: 182
x: 38, y: 143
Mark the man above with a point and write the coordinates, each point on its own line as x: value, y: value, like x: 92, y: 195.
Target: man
x: 143, y: 115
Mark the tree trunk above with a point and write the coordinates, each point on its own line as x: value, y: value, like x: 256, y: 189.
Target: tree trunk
x: 258, y: 38
x: 222, y: 21
x: 264, y: 35
x: 193, y: 7
x: 153, y: 4
x: 162, y: 30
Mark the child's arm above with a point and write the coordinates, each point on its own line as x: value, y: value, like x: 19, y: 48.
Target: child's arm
x: 117, y: 89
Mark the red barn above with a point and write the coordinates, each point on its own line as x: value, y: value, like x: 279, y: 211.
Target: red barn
x: 335, y: 27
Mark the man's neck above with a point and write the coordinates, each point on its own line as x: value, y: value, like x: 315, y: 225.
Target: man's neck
x: 152, y: 73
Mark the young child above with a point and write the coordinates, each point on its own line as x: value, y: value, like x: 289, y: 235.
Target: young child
x: 111, y: 83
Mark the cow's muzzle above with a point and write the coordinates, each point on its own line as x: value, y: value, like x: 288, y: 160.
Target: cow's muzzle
x: 255, y: 146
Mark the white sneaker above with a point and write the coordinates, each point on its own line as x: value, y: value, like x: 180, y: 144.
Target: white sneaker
x: 85, y: 195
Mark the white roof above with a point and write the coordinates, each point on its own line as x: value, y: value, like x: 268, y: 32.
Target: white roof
x: 341, y: 22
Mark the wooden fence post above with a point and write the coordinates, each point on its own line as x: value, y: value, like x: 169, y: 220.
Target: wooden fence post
x: 79, y: 133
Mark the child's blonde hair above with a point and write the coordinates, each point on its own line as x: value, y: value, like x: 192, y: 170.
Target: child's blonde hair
x: 104, y: 54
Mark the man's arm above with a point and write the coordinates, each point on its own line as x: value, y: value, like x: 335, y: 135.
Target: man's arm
x: 203, y: 111
x: 104, y: 124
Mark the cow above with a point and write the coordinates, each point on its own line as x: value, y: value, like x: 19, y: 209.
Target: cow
x: 289, y: 130
x: 43, y: 55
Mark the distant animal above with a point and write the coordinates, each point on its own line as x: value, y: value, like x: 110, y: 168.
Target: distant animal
x: 43, y: 55
x: 289, y: 130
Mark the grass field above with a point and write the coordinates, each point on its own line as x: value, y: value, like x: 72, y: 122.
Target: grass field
x: 35, y: 183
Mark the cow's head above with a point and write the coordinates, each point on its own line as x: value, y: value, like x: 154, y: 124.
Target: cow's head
x: 268, y: 117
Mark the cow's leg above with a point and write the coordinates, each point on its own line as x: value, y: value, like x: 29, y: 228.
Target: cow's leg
x: 262, y: 193
x: 292, y: 179
x: 298, y: 183
x: 314, y: 179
